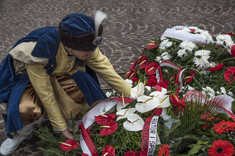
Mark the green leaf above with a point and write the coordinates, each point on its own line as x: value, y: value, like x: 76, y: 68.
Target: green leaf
x: 195, y: 149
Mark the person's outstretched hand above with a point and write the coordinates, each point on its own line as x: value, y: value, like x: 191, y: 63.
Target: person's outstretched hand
x: 67, y: 134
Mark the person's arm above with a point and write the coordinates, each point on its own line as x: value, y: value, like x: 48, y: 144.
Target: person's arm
x: 101, y: 65
x: 42, y: 85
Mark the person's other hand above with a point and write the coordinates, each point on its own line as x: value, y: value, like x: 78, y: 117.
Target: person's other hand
x: 67, y: 134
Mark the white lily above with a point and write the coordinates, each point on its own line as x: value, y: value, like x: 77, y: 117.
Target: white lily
x: 146, y: 103
x: 137, y: 90
x: 135, y: 123
x: 164, y: 101
x: 158, y: 93
x: 123, y: 113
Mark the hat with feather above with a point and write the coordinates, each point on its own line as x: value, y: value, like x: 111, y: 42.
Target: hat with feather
x: 81, y: 32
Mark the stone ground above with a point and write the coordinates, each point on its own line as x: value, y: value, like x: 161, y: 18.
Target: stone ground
x: 129, y: 26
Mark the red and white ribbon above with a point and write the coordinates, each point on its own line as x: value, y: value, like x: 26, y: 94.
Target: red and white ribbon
x: 179, y: 77
x: 150, y: 136
x: 88, y: 119
x: 165, y: 63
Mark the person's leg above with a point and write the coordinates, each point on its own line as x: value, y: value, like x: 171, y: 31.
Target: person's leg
x: 10, y: 145
x: 29, y: 112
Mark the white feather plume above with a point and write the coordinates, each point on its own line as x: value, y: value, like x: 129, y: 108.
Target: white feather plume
x: 99, y: 17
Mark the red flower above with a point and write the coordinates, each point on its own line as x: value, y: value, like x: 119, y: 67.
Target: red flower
x: 192, y: 30
x: 151, y: 68
x: 230, y: 73
x: 230, y: 34
x: 131, y: 153
x: 109, y: 151
x: 205, y: 125
x: 134, y: 64
x: 104, y: 119
x: 109, y: 128
x: 190, y: 78
x: 164, y: 150
x: 207, y: 116
x: 158, y: 111
x: 163, y: 84
x: 126, y: 99
x: 134, y: 78
x: 130, y: 73
x: 84, y: 154
x: 68, y: 145
x: 151, y: 45
x: 176, y: 100
x: 224, y: 126
x: 218, y: 67
x: 221, y: 148
x: 144, y: 61
x: 152, y: 81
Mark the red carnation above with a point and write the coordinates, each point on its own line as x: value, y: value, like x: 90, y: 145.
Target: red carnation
x: 218, y: 67
x: 230, y: 73
x: 221, y: 148
x: 152, y: 81
x: 151, y: 68
x: 68, y: 145
x: 104, y: 119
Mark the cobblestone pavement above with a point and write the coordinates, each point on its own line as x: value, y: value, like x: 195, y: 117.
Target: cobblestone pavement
x: 130, y: 25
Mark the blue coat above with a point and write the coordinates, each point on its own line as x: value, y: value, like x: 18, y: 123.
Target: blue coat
x: 12, y: 85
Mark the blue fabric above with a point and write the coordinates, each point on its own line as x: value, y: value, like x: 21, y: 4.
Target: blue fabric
x: 78, y: 24
x: 7, y: 78
x: 47, y: 45
x: 12, y: 86
x: 13, y: 115
x: 11, y: 89
x: 88, y: 86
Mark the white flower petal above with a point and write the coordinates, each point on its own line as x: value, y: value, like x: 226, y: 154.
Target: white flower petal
x: 147, y: 106
x: 137, y: 90
x: 123, y: 113
x: 136, y: 123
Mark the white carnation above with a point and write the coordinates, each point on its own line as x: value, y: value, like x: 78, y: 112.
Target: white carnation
x: 181, y: 52
x: 188, y: 45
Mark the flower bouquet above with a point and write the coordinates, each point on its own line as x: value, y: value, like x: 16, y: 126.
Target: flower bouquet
x: 181, y: 103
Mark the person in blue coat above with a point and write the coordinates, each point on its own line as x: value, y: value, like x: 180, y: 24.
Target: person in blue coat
x: 52, y: 72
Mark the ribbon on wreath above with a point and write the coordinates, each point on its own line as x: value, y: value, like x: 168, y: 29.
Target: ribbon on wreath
x: 179, y: 77
x: 224, y: 104
x: 165, y: 63
x: 150, y: 137
x: 178, y: 33
x: 88, y: 119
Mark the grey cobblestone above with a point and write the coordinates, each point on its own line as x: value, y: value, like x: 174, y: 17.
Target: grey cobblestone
x: 130, y: 25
